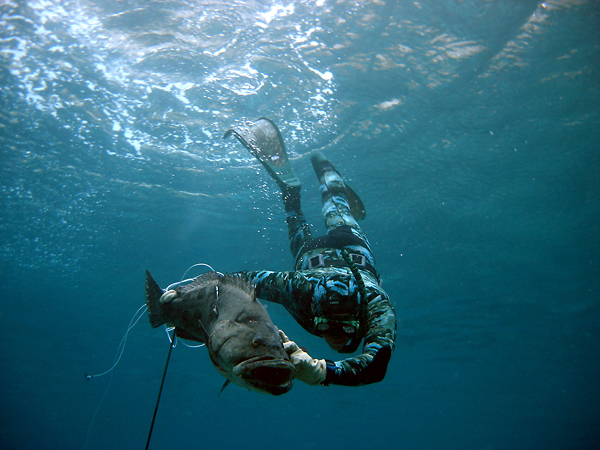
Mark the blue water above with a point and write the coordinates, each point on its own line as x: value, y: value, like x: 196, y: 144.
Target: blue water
x: 470, y: 129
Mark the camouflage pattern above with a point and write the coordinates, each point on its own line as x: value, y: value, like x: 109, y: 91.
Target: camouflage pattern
x: 299, y: 290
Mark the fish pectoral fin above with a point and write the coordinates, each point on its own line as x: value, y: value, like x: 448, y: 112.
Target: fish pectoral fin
x: 184, y: 334
x: 224, y: 386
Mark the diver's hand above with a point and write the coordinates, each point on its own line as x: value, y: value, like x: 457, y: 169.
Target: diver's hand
x: 309, y: 370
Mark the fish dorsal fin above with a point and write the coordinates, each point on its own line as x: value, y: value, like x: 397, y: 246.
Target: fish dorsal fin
x: 224, y: 386
x: 209, y: 279
x: 238, y: 282
x: 203, y: 281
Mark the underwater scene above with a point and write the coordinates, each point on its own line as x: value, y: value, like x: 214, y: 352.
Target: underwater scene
x: 470, y: 130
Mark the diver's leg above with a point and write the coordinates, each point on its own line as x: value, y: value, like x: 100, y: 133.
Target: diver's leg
x: 298, y: 229
x: 336, y: 209
x: 263, y: 139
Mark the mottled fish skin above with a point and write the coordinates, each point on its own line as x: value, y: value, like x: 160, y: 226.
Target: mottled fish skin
x: 223, y: 312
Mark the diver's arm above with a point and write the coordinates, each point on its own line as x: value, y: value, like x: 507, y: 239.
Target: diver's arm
x: 288, y: 289
x: 371, y: 365
x: 269, y: 285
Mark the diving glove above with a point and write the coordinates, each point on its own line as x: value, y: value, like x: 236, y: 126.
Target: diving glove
x: 310, y: 371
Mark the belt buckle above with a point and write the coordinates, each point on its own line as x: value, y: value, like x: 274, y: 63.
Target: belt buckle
x: 315, y: 261
x: 358, y: 259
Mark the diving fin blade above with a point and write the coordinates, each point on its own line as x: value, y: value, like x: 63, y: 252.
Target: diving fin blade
x: 263, y: 140
x: 357, y: 207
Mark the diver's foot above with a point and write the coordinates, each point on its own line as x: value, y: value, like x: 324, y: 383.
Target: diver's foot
x: 291, y: 199
x: 331, y: 178
x: 321, y: 164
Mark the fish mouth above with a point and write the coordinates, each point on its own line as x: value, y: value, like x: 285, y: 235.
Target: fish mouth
x: 265, y: 373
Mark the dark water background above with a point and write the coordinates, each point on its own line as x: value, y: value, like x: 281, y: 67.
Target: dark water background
x: 471, y: 130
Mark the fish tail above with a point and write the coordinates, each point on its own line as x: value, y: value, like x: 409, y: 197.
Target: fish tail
x: 153, y: 294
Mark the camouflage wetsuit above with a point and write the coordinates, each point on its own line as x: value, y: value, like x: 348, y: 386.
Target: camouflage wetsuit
x: 319, y: 261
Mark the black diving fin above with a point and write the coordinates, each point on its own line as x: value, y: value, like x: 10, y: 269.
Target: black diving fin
x: 357, y: 207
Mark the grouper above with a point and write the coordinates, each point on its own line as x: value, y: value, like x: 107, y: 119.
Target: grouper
x: 223, y: 312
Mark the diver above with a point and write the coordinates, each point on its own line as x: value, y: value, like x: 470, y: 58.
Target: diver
x: 334, y: 290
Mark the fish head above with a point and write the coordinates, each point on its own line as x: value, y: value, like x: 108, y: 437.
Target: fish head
x: 250, y: 353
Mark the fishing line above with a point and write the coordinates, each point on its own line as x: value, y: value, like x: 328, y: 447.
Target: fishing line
x: 179, y: 283
x: 197, y: 265
x: 134, y: 320
x: 162, y: 383
x: 167, y: 329
x: 121, y: 348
